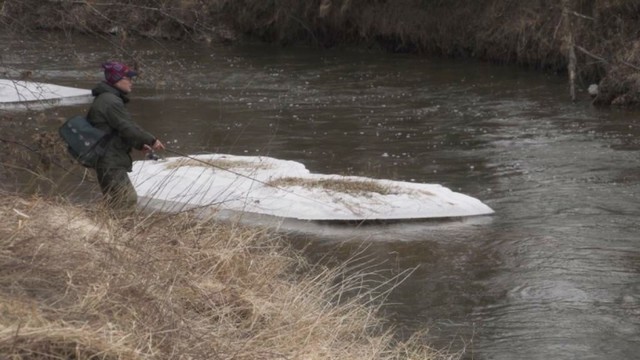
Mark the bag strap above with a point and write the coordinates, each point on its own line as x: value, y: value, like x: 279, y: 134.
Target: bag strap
x: 111, y: 133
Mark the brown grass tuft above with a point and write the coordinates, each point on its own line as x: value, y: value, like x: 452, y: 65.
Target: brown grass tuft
x: 338, y: 185
x: 81, y: 285
x: 217, y: 163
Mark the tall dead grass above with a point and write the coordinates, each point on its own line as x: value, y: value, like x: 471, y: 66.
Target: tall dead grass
x: 75, y: 284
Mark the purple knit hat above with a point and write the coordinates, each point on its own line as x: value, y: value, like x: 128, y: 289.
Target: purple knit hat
x: 114, y: 71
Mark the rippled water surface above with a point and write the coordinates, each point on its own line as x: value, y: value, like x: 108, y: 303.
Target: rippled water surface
x: 554, y: 274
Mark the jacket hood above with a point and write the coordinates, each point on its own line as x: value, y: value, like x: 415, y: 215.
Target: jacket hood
x: 103, y: 87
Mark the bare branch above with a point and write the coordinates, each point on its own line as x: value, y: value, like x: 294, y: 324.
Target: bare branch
x: 590, y: 54
x: 574, y: 13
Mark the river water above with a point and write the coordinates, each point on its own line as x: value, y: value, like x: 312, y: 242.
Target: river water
x: 554, y: 274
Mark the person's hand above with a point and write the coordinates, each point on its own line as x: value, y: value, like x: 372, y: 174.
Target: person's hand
x: 157, y: 145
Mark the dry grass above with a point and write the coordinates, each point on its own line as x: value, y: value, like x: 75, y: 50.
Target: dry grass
x: 218, y: 163
x: 77, y: 285
x: 337, y: 185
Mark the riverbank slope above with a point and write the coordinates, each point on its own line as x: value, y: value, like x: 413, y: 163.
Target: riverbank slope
x: 593, y: 41
x: 75, y: 283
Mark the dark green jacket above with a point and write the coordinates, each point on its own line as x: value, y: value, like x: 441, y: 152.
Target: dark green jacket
x: 109, y: 114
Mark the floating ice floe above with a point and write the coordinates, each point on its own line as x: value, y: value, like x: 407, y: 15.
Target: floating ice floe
x: 18, y: 94
x: 286, y: 189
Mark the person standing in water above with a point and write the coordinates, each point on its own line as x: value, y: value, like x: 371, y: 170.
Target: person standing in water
x: 109, y: 114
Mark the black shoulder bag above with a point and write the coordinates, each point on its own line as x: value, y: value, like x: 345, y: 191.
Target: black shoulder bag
x: 85, y: 142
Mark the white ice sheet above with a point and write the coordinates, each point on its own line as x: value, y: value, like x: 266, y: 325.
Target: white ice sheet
x: 244, y: 188
x: 20, y: 94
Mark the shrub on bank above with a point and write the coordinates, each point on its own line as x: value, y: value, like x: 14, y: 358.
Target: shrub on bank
x: 78, y: 284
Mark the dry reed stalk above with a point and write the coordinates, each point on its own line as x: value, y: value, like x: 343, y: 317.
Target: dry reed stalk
x: 79, y: 284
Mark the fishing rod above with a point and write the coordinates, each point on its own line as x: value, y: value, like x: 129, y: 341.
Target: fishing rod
x: 155, y: 156
x: 151, y: 155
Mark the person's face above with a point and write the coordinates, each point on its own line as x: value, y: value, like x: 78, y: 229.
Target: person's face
x: 125, y: 84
